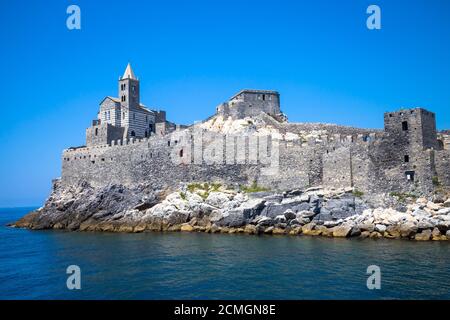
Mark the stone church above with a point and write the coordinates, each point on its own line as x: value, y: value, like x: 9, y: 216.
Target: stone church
x: 125, y: 117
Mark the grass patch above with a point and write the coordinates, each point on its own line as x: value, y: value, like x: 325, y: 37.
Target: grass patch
x: 402, y: 197
x: 358, y: 194
x: 192, y: 187
x: 204, y: 189
x: 253, y: 188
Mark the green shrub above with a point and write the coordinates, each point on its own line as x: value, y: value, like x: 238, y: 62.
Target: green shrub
x: 436, y: 181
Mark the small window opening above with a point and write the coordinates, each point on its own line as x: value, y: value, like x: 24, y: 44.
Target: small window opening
x: 410, y: 175
x: 406, y: 158
x: 405, y: 125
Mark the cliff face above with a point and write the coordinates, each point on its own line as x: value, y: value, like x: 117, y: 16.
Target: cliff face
x: 71, y: 207
x: 214, y: 208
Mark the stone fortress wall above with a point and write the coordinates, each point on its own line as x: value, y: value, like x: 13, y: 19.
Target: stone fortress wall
x: 366, y: 161
x: 407, y: 156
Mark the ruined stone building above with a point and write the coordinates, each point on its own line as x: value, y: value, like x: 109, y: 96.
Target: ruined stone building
x: 131, y: 144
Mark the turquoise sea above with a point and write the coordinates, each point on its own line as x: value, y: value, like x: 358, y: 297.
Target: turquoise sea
x: 203, y: 266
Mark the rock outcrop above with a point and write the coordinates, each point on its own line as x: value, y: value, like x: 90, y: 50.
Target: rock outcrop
x: 213, y: 208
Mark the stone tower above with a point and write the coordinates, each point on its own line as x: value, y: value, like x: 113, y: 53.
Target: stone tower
x: 410, y: 145
x: 413, y: 127
x: 129, y: 89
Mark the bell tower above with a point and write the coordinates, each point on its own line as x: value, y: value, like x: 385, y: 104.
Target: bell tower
x: 129, y: 89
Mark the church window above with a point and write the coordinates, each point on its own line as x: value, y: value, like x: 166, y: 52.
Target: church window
x: 264, y: 97
x: 168, y: 143
x: 133, y: 133
x: 181, y: 153
x: 146, y: 133
x: 96, y: 131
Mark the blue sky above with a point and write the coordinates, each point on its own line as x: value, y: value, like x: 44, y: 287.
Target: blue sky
x: 192, y: 55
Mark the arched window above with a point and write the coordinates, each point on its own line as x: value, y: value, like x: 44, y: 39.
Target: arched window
x: 96, y: 131
x: 133, y: 134
x: 181, y: 153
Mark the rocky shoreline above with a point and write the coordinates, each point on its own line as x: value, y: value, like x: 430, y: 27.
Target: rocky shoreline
x: 212, y: 208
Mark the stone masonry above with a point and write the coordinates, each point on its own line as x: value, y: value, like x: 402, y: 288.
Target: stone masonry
x: 129, y: 144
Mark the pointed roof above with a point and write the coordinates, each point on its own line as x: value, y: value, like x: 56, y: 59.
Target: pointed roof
x: 129, y: 74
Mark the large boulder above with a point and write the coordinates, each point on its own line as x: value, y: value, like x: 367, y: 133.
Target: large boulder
x: 275, y: 209
x: 280, y: 219
x: 217, y: 199
x: 265, y: 221
x: 381, y: 228
x: 437, y: 236
x: 392, y: 232
x: 447, y: 203
x: 342, y: 231
x: 425, y: 235
x: 289, y: 215
x: 408, y: 229
x: 239, y: 216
